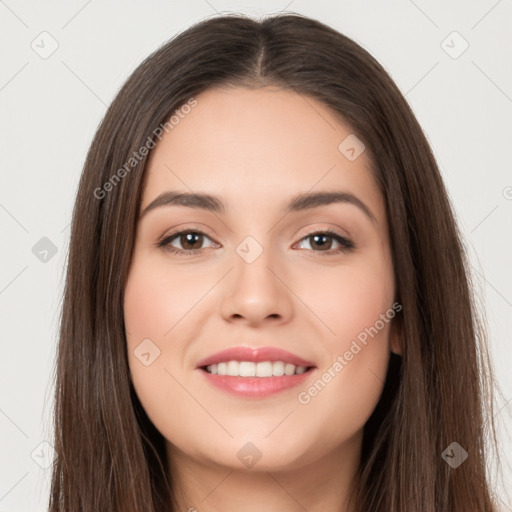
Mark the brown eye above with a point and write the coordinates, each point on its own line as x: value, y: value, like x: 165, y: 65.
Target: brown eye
x: 190, y: 242
x: 324, y: 242
x: 321, y: 242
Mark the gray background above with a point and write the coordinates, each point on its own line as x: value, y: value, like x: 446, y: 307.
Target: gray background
x: 51, y: 105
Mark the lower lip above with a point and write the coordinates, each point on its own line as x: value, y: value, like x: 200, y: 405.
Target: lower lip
x: 256, y: 387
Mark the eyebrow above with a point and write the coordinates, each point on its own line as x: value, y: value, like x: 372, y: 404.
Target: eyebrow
x: 299, y: 202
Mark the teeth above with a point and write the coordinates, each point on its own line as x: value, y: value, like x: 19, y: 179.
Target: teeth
x: 250, y: 369
x: 232, y: 368
x: 246, y: 369
x: 278, y: 368
x: 289, y: 369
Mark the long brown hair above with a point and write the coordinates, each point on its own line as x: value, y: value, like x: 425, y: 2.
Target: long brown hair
x: 110, y: 456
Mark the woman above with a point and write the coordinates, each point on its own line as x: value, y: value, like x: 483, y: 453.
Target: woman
x: 210, y: 358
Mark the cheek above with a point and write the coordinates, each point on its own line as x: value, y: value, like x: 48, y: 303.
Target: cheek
x: 347, y: 300
x: 156, y: 300
x: 356, y: 312
x: 148, y: 306
x: 349, y: 383
x: 151, y: 309
x: 153, y: 306
x: 161, y: 307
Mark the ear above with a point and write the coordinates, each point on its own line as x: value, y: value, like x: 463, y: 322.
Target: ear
x: 396, y: 335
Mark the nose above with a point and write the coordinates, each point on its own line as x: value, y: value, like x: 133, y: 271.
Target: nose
x: 257, y: 292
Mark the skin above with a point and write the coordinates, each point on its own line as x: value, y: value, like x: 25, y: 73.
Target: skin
x: 256, y: 149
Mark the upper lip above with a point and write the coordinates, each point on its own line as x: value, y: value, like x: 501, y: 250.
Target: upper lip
x: 259, y: 354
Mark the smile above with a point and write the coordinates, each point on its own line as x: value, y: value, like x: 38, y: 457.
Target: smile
x: 263, y: 369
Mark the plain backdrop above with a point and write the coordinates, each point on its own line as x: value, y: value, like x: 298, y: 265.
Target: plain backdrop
x: 63, y: 62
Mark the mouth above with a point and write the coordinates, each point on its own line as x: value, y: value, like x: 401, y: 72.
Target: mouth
x: 263, y: 370
x: 255, y: 372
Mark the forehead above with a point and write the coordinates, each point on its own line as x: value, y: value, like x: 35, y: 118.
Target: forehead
x: 253, y: 145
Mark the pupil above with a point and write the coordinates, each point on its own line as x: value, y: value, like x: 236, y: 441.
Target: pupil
x: 316, y: 237
x: 188, y: 237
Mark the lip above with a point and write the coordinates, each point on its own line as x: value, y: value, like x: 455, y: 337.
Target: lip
x: 256, y: 387
x: 256, y: 355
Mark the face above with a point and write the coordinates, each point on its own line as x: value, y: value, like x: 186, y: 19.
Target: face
x: 315, y: 280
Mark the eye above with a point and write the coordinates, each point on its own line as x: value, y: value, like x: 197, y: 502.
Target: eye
x: 190, y: 240
x: 321, y: 239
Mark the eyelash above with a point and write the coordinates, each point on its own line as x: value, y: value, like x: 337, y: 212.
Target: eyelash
x: 346, y: 244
